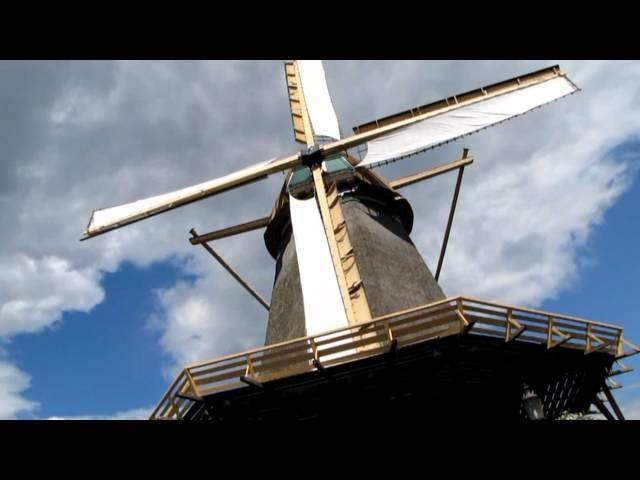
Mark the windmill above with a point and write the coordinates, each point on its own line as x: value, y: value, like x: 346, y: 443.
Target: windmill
x: 350, y: 286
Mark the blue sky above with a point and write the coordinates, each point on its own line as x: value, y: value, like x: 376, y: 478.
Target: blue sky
x: 105, y: 361
x: 99, y: 328
x: 608, y: 286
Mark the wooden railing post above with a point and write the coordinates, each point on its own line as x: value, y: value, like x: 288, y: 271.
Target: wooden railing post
x: 464, y: 323
x: 314, y: 349
x: 620, y: 346
x: 250, y: 370
x: 393, y: 342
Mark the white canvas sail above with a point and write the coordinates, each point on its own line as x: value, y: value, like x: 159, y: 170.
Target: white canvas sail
x: 323, y: 307
x: 316, y: 95
x: 114, y: 217
x: 457, y: 122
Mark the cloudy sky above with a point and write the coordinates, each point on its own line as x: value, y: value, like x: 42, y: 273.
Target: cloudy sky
x: 548, y: 214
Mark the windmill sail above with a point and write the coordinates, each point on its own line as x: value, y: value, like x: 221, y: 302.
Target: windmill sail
x: 386, y: 139
x: 318, y: 101
x: 108, y: 219
x: 323, y: 307
x: 434, y: 124
x: 322, y: 300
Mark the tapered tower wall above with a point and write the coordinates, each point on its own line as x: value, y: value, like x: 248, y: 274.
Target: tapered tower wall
x: 394, y: 275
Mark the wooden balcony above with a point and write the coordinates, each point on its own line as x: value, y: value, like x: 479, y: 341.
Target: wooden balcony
x: 457, y: 316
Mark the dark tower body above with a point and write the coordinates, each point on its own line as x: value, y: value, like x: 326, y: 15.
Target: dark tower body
x: 394, y: 275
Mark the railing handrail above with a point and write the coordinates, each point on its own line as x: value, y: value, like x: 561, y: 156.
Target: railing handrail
x: 540, y: 312
x: 274, y: 346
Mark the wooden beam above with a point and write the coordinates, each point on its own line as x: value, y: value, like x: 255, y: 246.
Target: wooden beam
x: 466, y: 324
x: 550, y: 332
x: 348, y: 263
x: 352, y: 289
x: 634, y: 350
x: 565, y: 338
x: 192, y: 383
x: 252, y: 291
x: 229, y: 231
x: 452, y: 211
x: 462, y: 319
x: 393, y: 342
x: 374, y: 177
x: 614, y: 385
x: 518, y: 333
x: 319, y: 366
x: 622, y: 369
x: 603, y: 409
x: 600, y: 347
x: 511, y: 322
x: 250, y: 381
x: 612, y: 401
x: 430, y: 173
x: 187, y: 396
x: 302, y: 129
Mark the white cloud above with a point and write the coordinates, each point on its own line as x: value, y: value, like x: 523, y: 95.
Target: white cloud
x: 85, y: 135
x: 34, y: 292
x: 631, y: 410
x: 195, y: 325
x: 13, y: 383
x: 134, y: 414
x: 516, y: 239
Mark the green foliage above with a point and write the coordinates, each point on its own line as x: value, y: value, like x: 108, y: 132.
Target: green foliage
x: 578, y: 416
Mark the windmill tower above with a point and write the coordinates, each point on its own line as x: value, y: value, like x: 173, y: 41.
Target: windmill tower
x: 350, y: 287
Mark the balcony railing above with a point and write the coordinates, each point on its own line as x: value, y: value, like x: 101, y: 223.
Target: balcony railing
x: 452, y: 316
